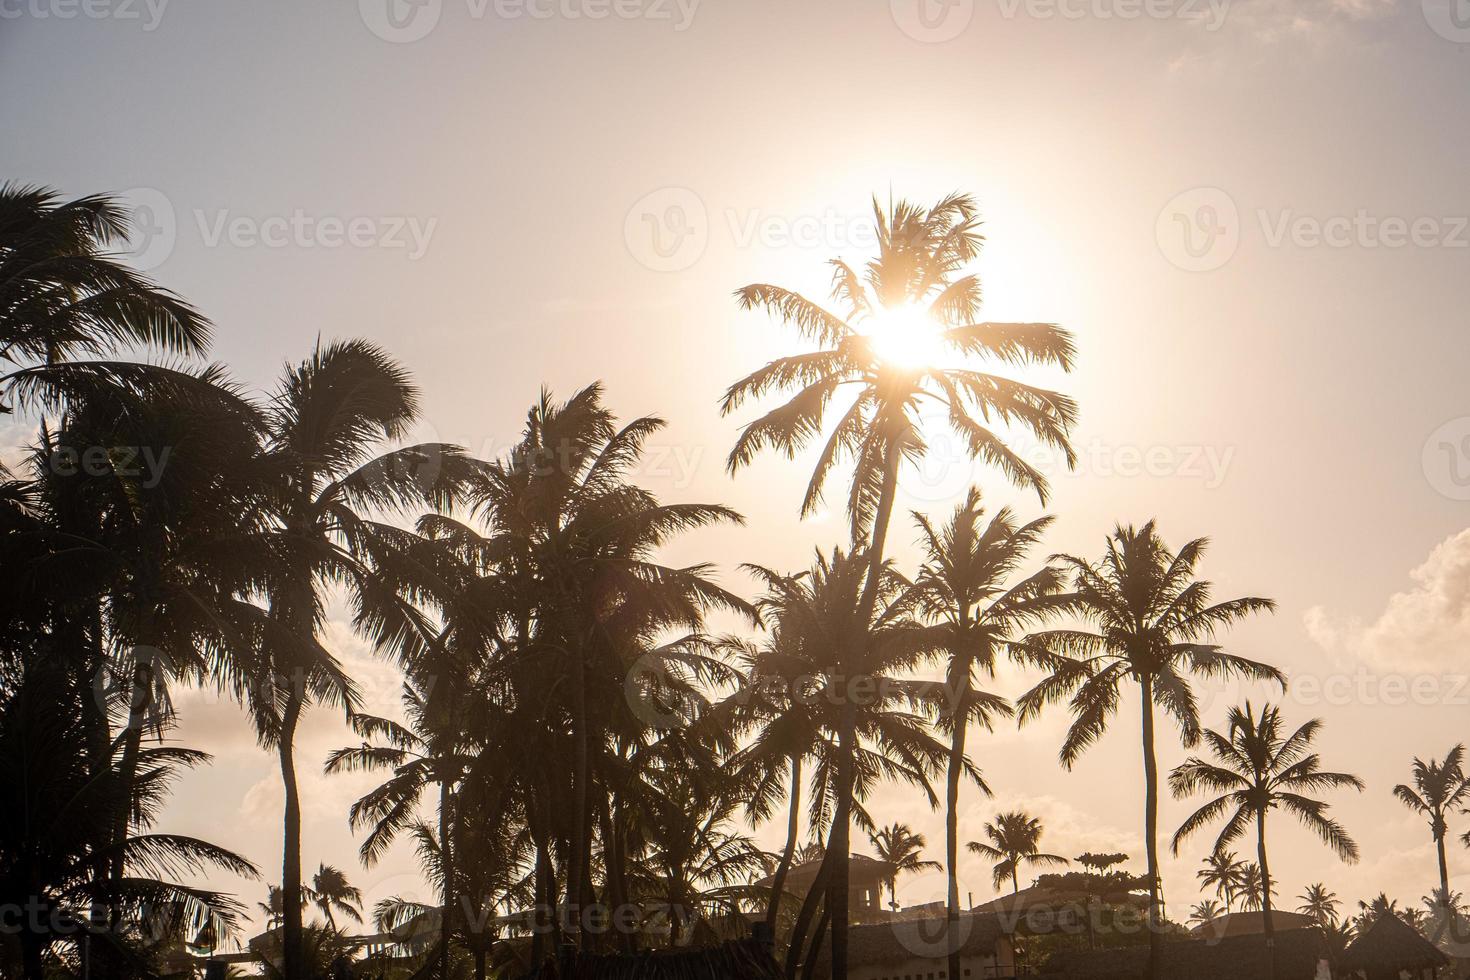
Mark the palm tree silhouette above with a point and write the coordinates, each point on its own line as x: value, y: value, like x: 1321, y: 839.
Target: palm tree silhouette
x: 324, y: 459
x: 899, y: 846
x: 64, y: 291
x: 1439, y: 787
x: 1260, y: 768
x: 1253, y: 888
x: 1155, y: 622
x: 1225, y: 873
x: 1320, y: 903
x: 818, y: 623
x: 575, y: 542
x: 332, y: 893
x: 912, y: 289
x: 965, y: 587
x: 1015, y: 839
x: 1206, y: 912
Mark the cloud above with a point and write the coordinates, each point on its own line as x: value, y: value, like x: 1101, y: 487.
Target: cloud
x: 1425, y: 627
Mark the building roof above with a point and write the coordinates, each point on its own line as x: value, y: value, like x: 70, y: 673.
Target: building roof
x: 1391, y: 943
x: 744, y: 959
x: 860, y: 866
x: 1298, y: 954
x: 921, y: 937
x: 1250, y: 924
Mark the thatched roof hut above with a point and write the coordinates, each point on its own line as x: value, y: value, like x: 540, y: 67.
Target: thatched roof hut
x: 1301, y: 954
x: 1390, y: 949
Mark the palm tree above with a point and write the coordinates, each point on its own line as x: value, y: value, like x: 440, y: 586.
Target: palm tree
x: 64, y: 292
x: 1155, y: 622
x: 578, y: 542
x: 908, y: 308
x: 60, y: 828
x: 1319, y: 903
x: 1253, y: 888
x: 784, y: 732
x: 1371, y: 911
x: 273, y: 907
x: 965, y: 587
x: 1259, y: 768
x: 817, y: 623
x: 331, y: 892
x: 1206, y: 912
x: 898, y: 846
x: 1439, y: 787
x: 1015, y: 839
x: 1225, y: 873
x: 326, y: 469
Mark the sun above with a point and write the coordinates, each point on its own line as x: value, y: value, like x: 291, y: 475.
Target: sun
x: 905, y: 337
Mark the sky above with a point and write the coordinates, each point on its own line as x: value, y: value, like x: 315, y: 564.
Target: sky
x: 1251, y: 214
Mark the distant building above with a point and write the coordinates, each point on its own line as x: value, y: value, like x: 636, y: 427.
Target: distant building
x: 1300, y: 954
x: 1392, y: 949
x: 917, y: 948
x: 1250, y: 924
x: 867, y: 878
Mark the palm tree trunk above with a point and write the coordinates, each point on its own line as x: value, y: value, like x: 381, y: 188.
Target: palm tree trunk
x: 1266, y: 894
x: 809, y: 969
x: 838, y: 887
x: 793, y: 827
x: 1151, y: 830
x: 951, y: 829
x: 446, y: 848
x: 1444, y: 871
x: 140, y: 699
x: 293, y: 966
x: 1015, y: 882
x: 814, y: 897
x: 580, y: 822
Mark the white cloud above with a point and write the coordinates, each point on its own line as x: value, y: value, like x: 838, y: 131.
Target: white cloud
x: 1425, y: 627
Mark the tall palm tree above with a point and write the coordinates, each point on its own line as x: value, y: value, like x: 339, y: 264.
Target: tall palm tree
x: 1320, y: 903
x: 1259, y: 768
x: 968, y: 587
x: 1439, y: 787
x: 1015, y: 839
x: 65, y: 293
x: 1224, y: 872
x: 328, y: 474
x: 332, y: 893
x: 817, y: 622
x: 907, y: 309
x: 579, y: 543
x: 1155, y: 625
x: 898, y: 846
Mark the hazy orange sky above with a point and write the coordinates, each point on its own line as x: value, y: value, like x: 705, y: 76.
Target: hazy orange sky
x: 1251, y: 214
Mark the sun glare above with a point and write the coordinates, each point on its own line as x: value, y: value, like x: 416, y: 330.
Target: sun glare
x: 906, y: 337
